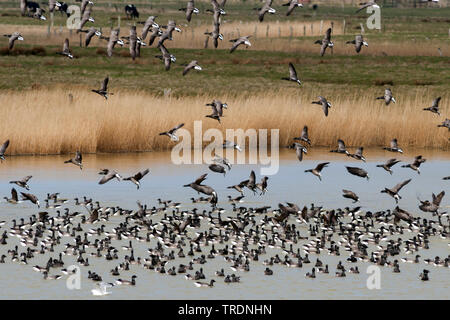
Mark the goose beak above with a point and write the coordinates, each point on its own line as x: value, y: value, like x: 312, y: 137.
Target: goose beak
x: 20, y: 38
x: 177, y: 29
x: 155, y: 25
x: 198, y: 68
x: 98, y: 33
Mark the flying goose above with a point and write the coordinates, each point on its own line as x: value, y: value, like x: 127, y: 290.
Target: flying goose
x: 215, y: 114
x: 387, y: 97
x: 190, y: 9
x: 367, y: 5
x: 393, y: 192
x: 341, y: 147
x: 215, y: 35
x: 23, y: 183
x: 358, y: 172
x: 435, y: 106
x: 167, y: 34
x: 316, y: 171
x: 38, y: 14
x: 262, y: 185
x: 218, y: 105
x: 86, y: 16
x: 400, y: 214
x: 358, y: 42
x: 394, y: 146
x: 292, y: 74
x: 230, y: 144
x: 191, y: 65
x: 358, y: 154
x: 149, y: 23
x: 12, y: 38
x: 3, y: 150
x: 30, y: 197
x: 113, y: 39
x: 156, y: 32
x: 220, y: 160
x: 103, y: 91
x: 324, y: 103
x: 387, y: 166
x: 166, y: 57
x: 433, y: 206
x: 66, y: 50
x: 304, y: 136
x: 416, y: 164
x: 325, y: 42
x: 133, y: 41
x: 292, y: 5
x: 90, y: 33
x: 52, y: 4
x: 217, y: 168
x: 77, y: 160
x: 137, y: 177
x: 350, y: 195
x: 445, y: 124
x: 109, y: 175
x: 84, y: 5
x: 299, y: 150
x: 265, y: 9
x: 14, y: 198
x: 239, y: 41
x: 200, y: 188
x: 171, y: 133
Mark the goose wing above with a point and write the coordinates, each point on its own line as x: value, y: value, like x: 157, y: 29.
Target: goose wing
x: 437, y: 199
x: 176, y: 128
x: 25, y: 180
x: 14, y: 194
x: 252, y: 178
x: 322, y: 165
x: 66, y: 46
x: 398, y: 187
x: 138, y: 176
x: 200, y: 179
x: 341, y: 145
x: 292, y: 72
x: 394, y: 144
x: 105, y: 84
x: 78, y: 157
x: 436, y: 102
x: 4, y: 146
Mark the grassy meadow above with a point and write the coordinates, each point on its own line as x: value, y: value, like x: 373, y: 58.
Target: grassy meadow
x: 39, y: 118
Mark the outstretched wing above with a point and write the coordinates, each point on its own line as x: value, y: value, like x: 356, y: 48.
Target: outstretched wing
x: 4, y: 146
x: 400, y: 185
x: 200, y: 179
x: 437, y: 199
x: 78, y: 157
x: 292, y: 71
x: 105, y: 84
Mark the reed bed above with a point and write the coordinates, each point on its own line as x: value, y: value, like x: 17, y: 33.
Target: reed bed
x: 49, y: 122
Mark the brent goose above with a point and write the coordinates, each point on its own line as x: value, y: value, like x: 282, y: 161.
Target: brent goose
x: 14, y: 198
x: 316, y: 171
x: 393, y: 146
x: 299, y: 150
x: 77, y: 160
x: 102, y: 289
x: 424, y: 275
x: 133, y: 41
x: 12, y: 38
x: 171, y: 132
x: 230, y: 144
x: 239, y: 41
x: 30, y: 197
x: 66, y: 50
x: 84, y: 5
x: 218, y: 105
x: 358, y: 154
x: 434, y: 107
x: 137, y: 177
x: 304, y: 136
x: 292, y: 74
x: 109, y: 175
x: 311, y: 274
x: 23, y: 183
x: 3, y: 149
x: 393, y: 192
x: 388, y: 98
x: 444, y: 124
x: 367, y: 5
x: 167, y: 34
x: 47, y: 277
x: 265, y: 9
x: 325, y: 42
x: 292, y: 5
x: 215, y: 114
x: 358, y: 172
x: 166, y: 57
x: 190, y: 9
x: 126, y: 282
x: 103, y: 91
x: 401, y: 214
x: 86, y: 16
x: 341, y: 147
x: 350, y: 195
x: 358, y: 42
x: 217, y: 168
x: 90, y: 33
x: 199, y: 284
x: 387, y: 166
x: 416, y: 164
x: 149, y: 23
x: 191, y: 65
x: 215, y: 35
x: 324, y: 103
x: 113, y: 39
x: 427, y: 206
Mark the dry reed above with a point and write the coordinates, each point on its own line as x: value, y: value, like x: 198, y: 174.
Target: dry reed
x: 46, y: 122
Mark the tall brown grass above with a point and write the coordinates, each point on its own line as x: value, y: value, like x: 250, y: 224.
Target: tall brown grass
x: 47, y: 122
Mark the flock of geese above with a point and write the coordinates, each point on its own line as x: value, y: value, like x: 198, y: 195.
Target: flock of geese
x: 180, y: 241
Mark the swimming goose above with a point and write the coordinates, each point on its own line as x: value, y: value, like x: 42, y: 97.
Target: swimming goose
x: 292, y: 74
x: 215, y: 35
x: 217, y: 168
x: 358, y: 154
x: 434, y: 107
x: 30, y: 197
x: 311, y: 274
x: 199, y: 284
x: 316, y: 171
x: 350, y: 195
x: 90, y: 33
x: 416, y: 164
x: 240, y: 41
x: 103, y: 91
x: 427, y: 206
x: 171, y: 133
x: 102, y: 289
x: 12, y: 38
x: 424, y: 275
x: 324, y: 103
x: 77, y: 160
x: 358, y: 42
x: 14, y: 198
x: 358, y: 172
x: 66, y: 50
x: 367, y: 5
x: 393, y: 192
x: 388, y: 98
x: 393, y: 147
x: 299, y: 150
x: 47, y: 277
x: 190, y: 9
x: 23, y: 183
x: 304, y: 136
x: 387, y: 166
x: 137, y: 177
x: 166, y: 57
x: 292, y: 5
x: 149, y: 23
x: 3, y: 149
x: 109, y: 175
x: 445, y: 124
x: 265, y: 9
x: 325, y: 42
x: 341, y: 147
x: 191, y: 65
x: 126, y: 282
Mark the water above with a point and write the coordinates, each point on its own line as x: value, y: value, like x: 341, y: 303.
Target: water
x: 165, y: 181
